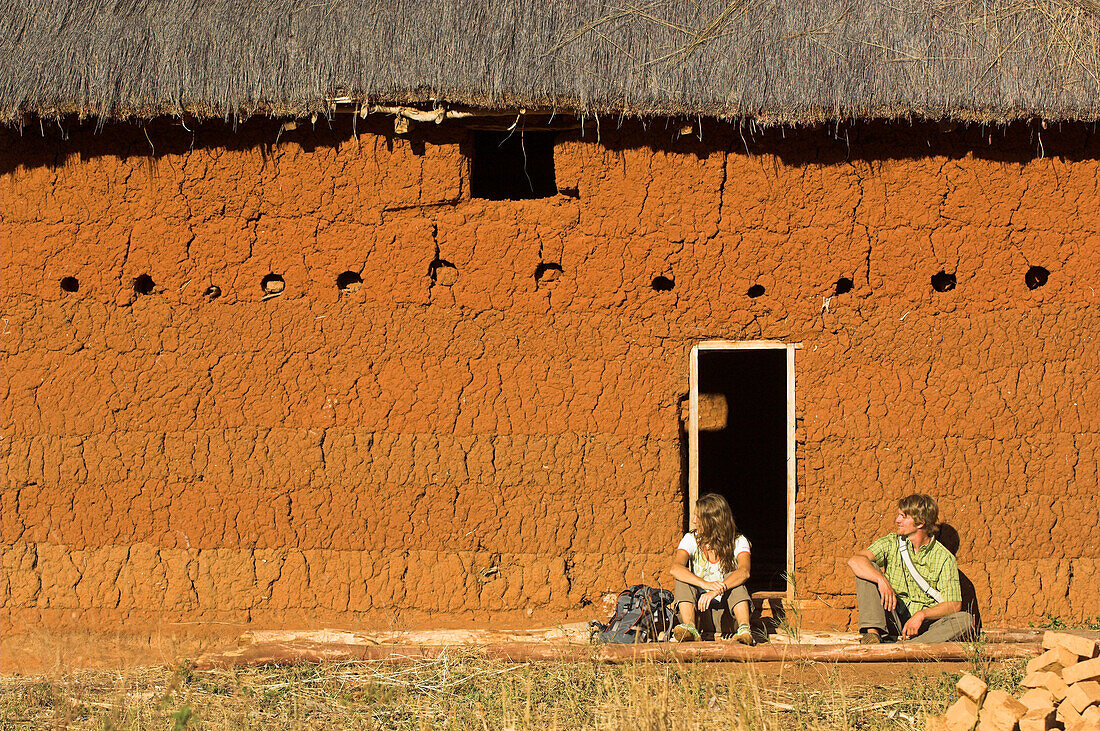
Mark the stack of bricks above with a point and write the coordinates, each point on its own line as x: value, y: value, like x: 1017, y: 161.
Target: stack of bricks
x: 1061, y: 690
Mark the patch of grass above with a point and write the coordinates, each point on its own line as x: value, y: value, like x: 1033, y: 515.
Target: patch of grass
x: 790, y: 623
x: 1053, y: 621
x: 465, y: 691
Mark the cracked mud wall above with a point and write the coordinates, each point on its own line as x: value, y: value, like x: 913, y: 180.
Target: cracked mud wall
x: 410, y: 452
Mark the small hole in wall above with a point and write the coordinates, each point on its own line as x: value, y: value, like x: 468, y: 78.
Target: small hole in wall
x: 272, y: 284
x: 212, y: 292
x: 69, y: 284
x: 443, y: 272
x: 844, y: 285
x: 349, y: 281
x: 755, y: 291
x: 144, y: 284
x: 662, y: 284
x: 547, y: 272
x: 573, y: 192
x: 943, y: 282
x: 1036, y: 277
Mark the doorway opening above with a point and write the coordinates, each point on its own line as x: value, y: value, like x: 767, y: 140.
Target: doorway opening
x: 741, y: 446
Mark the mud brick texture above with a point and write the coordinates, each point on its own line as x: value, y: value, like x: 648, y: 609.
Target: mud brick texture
x: 407, y: 452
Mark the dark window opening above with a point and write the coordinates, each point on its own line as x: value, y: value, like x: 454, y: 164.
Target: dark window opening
x: 69, y: 284
x: 755, y: 291
x: 513, y: 165
x: 744, y: 457
x: 844, y: 285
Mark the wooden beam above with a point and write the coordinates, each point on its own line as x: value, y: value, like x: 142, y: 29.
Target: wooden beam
x: 693, y: 434
x: 792, y: 472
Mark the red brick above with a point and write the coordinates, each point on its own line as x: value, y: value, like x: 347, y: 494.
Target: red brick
x: 1048, y: 680
x: 1087, y: 670
x: 1054, y: 660
x: 1047, y: 661
x: 1038, y: 719
x: 1037, y: 698
x: 962, y: 715
x: 1034, y: 679
x: 1082, y: 695
x: 1080, y: 646
x: 1082, y: 724
x: 1056, y: 686
x: 1000, y: 712
x: 972, y: 687
x: 1067, y: 715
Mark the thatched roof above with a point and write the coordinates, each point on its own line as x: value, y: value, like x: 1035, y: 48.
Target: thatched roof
x: 777, y: 60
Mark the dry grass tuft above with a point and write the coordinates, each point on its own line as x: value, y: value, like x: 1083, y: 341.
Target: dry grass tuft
x: 464, y: 692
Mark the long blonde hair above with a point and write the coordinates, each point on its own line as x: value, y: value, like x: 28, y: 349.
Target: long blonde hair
x: 716, y: 529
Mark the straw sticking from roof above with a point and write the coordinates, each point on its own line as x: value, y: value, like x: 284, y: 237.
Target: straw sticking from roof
x: 777, y: 60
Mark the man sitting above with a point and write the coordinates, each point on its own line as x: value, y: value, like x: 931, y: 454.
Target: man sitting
x: 907, y: 583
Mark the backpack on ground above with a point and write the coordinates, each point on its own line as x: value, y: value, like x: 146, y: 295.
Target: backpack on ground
x: 642, y: 614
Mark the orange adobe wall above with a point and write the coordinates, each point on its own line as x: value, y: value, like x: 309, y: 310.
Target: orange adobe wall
x: 414, y: 452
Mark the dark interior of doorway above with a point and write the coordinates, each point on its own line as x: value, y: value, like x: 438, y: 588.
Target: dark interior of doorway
x: 747, y: 460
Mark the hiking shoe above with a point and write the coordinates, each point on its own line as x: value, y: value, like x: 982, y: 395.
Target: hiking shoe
x: 685, y: 633
x: 744, y: 636
x: 870, y: 638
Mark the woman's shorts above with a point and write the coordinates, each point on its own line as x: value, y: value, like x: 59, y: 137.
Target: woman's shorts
x: 685, y: 592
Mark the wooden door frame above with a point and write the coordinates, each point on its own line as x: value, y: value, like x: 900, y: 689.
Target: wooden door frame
x: 693, y: 427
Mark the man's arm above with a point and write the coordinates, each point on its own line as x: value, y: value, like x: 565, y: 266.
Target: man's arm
x: 912, y: 627
x: 863, y: 565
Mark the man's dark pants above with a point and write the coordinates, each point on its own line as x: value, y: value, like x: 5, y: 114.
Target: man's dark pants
x: 872, y: 614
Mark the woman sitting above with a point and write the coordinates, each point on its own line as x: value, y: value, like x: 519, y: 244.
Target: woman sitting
x: 711, y: 566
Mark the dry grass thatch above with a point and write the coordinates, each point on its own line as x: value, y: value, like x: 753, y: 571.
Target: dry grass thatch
x: 776, y: 60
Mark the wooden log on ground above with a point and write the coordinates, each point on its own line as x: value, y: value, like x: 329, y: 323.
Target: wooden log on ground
x: 1017, y: 634
x: 452, y: 637
x: 571, y: 633
x: 291, y: 653
x: 1012, y: 635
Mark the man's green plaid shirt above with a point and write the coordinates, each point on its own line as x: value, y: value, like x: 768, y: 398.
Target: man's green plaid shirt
x: 934, y: 562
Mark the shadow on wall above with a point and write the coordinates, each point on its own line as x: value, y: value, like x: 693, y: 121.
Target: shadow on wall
x: 50, y: 143
x: 951, y: 540
x: 681, y: 422
x: 53, y: 142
